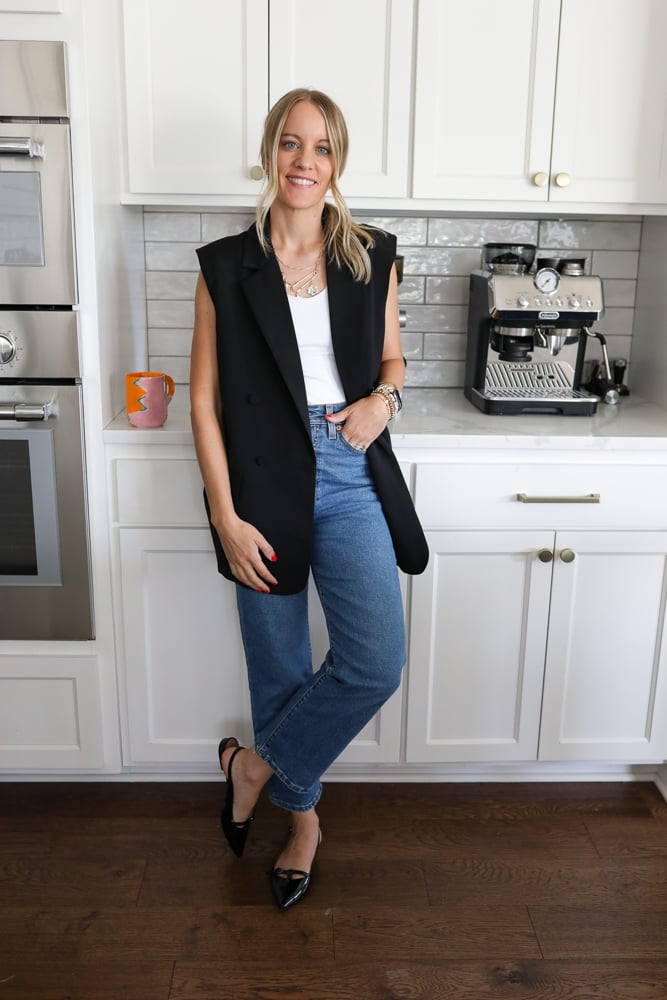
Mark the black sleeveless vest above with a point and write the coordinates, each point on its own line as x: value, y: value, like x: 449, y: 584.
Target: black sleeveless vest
x: 264, y: 408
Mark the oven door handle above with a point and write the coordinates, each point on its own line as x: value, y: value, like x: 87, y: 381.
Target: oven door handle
x: 26, y: 411
x: 17, y: 146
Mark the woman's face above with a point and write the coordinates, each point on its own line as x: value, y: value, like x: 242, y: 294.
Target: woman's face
x: 305, y: 160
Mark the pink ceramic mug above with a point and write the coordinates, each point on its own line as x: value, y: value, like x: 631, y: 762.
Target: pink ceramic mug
x: 147, y: 396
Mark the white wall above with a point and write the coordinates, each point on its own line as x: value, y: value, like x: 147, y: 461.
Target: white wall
x: 649, y: 343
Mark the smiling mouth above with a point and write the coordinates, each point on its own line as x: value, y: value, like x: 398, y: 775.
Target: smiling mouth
x: 301, y: 181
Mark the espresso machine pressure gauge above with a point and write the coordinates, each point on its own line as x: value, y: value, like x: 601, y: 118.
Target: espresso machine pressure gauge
x: 547, y: 280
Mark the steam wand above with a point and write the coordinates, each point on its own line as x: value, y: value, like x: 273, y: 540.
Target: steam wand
x: 603, y: 387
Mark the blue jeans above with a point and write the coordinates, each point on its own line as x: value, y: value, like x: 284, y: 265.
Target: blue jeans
x: 304, y: 720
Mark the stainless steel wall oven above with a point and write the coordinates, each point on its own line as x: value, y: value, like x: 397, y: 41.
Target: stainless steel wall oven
x: 45, y: 588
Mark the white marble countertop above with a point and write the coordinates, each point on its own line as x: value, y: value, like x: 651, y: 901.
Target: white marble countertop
x: 443, y: 418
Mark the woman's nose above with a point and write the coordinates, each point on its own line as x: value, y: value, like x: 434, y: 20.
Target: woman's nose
x: 305, y: 158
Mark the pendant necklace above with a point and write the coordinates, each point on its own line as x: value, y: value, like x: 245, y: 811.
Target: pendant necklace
x: 304, y: 285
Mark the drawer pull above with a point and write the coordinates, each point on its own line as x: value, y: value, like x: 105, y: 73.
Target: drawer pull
x: 587, y: 498
x: 545, y: 555
x: 567, y: 556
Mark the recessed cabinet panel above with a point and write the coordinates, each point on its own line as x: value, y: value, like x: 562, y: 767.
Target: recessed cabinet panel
x: 605, y: 694
x: 196, y: 94
x: 50, y: 712
x: 478, y: 627
x: 159, y: 491
x: 485, y: 77
x: 367, y: 42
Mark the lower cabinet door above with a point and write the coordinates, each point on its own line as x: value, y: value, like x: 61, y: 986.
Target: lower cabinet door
x: 478, y: 627
x: 185, y: 679
x: 605, y: 688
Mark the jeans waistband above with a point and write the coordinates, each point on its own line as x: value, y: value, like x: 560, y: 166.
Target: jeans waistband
x: 318, y: 410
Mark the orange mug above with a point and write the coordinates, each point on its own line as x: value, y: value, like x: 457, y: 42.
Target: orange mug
x: 147, y: 396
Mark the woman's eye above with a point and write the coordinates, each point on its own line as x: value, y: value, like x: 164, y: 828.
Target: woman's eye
x: 289, y: 144
x: 323, y: 149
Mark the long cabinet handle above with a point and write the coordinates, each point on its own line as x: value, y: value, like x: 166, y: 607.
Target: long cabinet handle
x: 586, y: 498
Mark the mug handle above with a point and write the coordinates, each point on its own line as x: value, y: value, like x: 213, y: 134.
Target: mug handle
x: 171, y: 388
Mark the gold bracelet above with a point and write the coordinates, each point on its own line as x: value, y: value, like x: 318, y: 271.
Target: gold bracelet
x: 389, y: 402
x: 391, y: 391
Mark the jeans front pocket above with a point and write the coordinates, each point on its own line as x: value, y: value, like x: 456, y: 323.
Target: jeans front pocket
x: 349, y: 446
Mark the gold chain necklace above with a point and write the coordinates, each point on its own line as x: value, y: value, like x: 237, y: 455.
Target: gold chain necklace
x: 306, y: 283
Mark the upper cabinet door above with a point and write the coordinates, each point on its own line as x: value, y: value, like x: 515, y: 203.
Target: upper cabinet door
x: 360, y: 54
x: 610, y: 137
x: 197, y: 85
x: 484, y: 99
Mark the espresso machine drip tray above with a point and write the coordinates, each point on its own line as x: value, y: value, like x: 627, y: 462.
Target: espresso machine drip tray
x: 530, y: 386
x: 538, y: 380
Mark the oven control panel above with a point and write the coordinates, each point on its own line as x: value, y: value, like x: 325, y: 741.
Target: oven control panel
x: 38, y: 344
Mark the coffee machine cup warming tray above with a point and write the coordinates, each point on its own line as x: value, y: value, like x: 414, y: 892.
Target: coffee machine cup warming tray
x: 526, y: 341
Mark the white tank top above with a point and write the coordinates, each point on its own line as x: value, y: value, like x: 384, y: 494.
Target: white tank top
x: 312, y: 326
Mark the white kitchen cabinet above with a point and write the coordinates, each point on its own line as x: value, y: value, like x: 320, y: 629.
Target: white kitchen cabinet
x: 184, y: 671
x: 610, y: 115
x: 485, y: 75
x: 564, y: 101
x: 542, y: 642
x: 200, y: 79
x: 478, y: 625
x: 605, y: 682
x: 196, y: 84
x: 360, y: 54
x: 184, y: 680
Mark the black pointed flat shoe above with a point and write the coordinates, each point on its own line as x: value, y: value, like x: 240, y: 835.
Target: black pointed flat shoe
x: 236, y: 833
x: 289, y: 885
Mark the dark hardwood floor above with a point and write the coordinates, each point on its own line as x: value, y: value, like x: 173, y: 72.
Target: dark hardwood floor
x: 420, y: 892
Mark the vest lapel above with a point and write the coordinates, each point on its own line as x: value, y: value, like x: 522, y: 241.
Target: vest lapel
x: 264, y: 290
x: 347, y: 314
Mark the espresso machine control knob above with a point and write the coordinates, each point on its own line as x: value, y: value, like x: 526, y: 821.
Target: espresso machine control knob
x: 574, y: 302
x: 7, y: 349
x: 523, y: 301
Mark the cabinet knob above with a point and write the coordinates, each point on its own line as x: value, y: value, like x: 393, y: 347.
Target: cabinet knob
x: 562, y: 180
x: 545, y: 555
x: 540, y: 179
x: 567, y: 556
x: 257, y: 172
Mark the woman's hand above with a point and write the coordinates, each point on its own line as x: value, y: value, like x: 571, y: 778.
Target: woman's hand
x: 364, y: 420
x: 244, y: 547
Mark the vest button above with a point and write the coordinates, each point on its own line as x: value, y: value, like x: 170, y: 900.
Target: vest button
x: 252, y: 399
x: 259, y: 460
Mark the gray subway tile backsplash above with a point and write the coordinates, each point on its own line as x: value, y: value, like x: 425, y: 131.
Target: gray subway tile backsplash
x: 439, y: 253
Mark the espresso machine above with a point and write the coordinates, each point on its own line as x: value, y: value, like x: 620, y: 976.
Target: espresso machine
x: 527, y: 333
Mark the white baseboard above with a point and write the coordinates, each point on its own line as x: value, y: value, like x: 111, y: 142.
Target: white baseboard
x: 384, y: 773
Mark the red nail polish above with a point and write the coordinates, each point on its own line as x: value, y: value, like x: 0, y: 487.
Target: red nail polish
x: 274, y: 558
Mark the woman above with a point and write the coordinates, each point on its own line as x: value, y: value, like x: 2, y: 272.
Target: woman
x: 296, y: 371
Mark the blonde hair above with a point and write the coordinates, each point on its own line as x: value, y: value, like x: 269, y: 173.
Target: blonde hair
x: 345, y: 242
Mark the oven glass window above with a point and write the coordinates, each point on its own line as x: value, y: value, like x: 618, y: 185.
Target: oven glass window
x: 21, y: 225
x: 18, y: 552
x: 29, y: 526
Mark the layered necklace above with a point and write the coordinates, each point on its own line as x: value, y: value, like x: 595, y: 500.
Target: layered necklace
x: 303, y: 284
